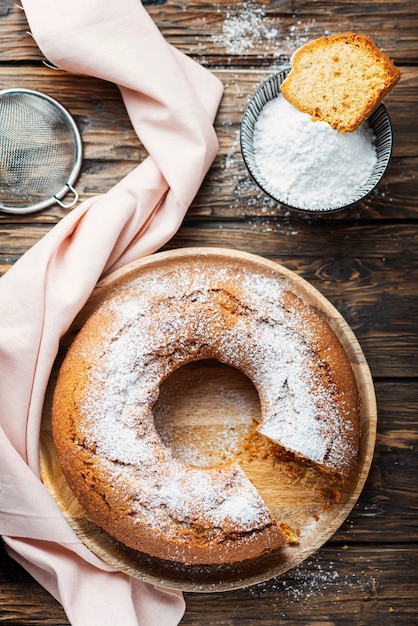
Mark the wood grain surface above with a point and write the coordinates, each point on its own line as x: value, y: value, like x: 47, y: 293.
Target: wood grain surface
x: 364, y: 261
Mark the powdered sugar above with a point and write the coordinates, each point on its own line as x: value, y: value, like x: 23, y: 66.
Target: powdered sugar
x: 244, y: 29
x: 247, y: 29
x: 188, y: 318
x: 309, y: 164
x: 163, y: 321
x: 317, y: 578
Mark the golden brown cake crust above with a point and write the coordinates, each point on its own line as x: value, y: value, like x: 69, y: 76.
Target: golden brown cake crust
x: 340, y: 79
x: 111, y: 454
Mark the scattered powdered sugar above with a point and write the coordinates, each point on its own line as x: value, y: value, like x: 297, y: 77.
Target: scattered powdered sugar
x: 248, y: 29
x: 245, y: 28
x: 315, y: 579
x: 309, y: 164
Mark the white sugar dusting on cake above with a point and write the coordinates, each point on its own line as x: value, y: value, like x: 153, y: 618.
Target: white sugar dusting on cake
x: 142, y: 330
x: 178, y: 319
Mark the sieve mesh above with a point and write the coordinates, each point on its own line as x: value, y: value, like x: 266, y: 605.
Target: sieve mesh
x: 40, y: 151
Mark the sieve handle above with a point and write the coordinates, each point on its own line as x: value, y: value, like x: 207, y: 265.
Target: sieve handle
x: 74, y: 200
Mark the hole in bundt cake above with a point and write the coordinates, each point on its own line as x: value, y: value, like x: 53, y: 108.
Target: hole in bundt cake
x: 205, y: 411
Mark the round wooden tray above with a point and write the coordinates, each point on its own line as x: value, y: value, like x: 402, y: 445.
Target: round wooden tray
x: 204, y: 412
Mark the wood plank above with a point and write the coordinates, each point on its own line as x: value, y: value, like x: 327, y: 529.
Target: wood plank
x: 387, y: 497
x: 394, y: 245
x: 357, y: 285
x: 97, y: 107
x: 204, y: 30
x: 388, y: 505
x: 348, y: 585
x: 345, y: 586
x: 111, y: 148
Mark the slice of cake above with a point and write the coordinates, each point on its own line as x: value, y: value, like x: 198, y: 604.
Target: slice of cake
x: 339, y: 79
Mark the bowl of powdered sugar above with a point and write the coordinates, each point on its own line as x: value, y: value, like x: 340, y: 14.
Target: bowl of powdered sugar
x: 307, y: 165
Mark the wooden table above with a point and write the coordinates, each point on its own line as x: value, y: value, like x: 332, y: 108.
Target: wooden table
x: 365, y: 261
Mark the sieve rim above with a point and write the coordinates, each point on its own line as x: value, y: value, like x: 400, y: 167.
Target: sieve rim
x: 68, y: 186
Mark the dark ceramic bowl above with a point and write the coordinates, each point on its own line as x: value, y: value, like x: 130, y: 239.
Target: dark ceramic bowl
x: 378, y: 121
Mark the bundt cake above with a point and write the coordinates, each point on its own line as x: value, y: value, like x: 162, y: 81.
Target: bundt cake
x: 113, y: 458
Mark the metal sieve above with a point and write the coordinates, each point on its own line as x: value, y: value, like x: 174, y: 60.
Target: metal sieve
x: 40, y: 152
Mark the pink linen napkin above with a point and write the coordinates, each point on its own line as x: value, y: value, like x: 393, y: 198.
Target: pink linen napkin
x: 172, y: 102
